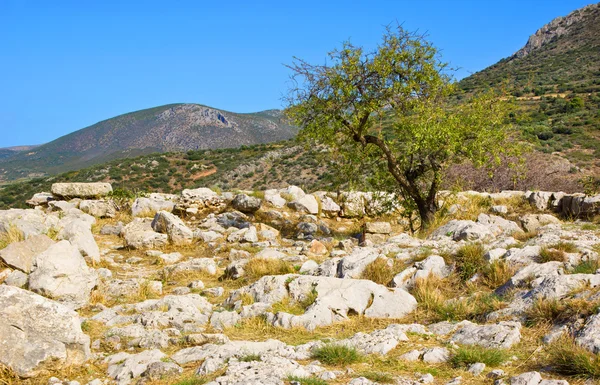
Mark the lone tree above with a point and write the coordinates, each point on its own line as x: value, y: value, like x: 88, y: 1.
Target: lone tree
x: 394, y: 109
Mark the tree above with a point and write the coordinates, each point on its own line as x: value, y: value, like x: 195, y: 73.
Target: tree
x: 394, y: 109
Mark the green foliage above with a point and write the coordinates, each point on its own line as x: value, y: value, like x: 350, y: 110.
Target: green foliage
x: 567, y: 358
x: 378, y: 377
x: 192, y: 381
x: 469, y: 260
x: 307, y: 380
x: 336, y: 355
x: 467, y: 355
x: 250, y: 358
x: 586, y: 267
x: 390, y: 112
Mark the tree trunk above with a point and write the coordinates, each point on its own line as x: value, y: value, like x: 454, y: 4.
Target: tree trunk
x: 427, y: 212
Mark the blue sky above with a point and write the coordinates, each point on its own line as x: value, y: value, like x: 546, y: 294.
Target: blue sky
x: 68, y: 64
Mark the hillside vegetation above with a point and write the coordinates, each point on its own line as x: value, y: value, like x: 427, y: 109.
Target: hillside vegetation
x: 555, y: 79
x: 174, y: 127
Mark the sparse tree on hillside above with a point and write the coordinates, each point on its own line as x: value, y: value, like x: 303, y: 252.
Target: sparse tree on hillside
x: 392, y: 108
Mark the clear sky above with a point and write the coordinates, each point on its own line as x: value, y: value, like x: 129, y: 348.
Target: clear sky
x: 68, y: 64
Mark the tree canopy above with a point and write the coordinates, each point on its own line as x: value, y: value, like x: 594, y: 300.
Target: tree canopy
x: 394, y: 108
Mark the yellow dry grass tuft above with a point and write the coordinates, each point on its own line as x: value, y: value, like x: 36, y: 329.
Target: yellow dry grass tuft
x: 259, y: 267
x: 11, y: 236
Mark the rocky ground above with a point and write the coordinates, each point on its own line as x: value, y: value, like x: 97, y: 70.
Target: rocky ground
x: 285, y: 287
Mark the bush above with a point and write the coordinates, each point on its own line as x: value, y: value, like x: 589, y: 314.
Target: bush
x: 570, y: 359
x: 469, y: 260
x: 467, y: 355
x: 336, y: 355
x: 586, y: 267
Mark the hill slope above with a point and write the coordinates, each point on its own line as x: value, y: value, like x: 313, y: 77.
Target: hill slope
x: 555, y: 78
x: 175, y: 127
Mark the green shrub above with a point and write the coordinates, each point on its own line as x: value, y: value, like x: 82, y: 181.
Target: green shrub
x: 469, y: 260
x: 467, y: 355
x: 307, y: 380
x: 379, y: 377
x: 567, y: 358
x: 250, y: 357
x: 336, y: 355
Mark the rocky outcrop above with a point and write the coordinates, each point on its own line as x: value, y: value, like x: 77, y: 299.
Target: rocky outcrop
x: 60, y: 273
x: 37, y: 333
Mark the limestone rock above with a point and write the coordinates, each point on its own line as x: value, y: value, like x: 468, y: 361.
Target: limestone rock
x: 532, y: 222
x: 148, y: 207
x: 459, y: 230
x: 98, y: 208
x: 124, y: 367
x: 20, y: 255
x: 378, y: 228
x: 61, y: 273
x: 81, y: 190
x: 36, y: 332
x: 167, y: 223
x: 246, y: 204
x: 501, y: 335
x: 335, y: 298
x: 138, y: 234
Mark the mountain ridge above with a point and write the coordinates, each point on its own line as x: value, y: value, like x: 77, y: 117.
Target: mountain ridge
x: 171, y: 127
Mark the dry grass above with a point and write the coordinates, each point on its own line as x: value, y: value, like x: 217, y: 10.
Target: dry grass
x: 443, y: 300
x: 497, y: 273
x: 524, y: 236
x: 259, y: 267
x: 287, y: 305
x: 555, y: 311
x: 11, y: 236
x: 257, y: 329
x: 557, y: 252
x: 567, y: 358
x: 380, y: 271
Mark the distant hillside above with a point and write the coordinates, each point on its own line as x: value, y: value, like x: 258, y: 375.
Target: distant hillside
x: 7, y: 152
x: 555, y: 78
x: 175, y: 127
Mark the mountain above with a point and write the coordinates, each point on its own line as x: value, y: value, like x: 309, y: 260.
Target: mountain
x: 174, y: 127
x: 7, y: 152
x: 555, y: 79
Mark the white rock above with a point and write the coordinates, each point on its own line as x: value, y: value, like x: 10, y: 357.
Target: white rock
x: 37, y: 333
x: 61, y: 273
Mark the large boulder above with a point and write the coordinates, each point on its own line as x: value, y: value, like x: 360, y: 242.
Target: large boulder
x: 459, y: 230
x: 138, y: 234
x: 61, y: 273
x: 77, y: 229
x: 27, y: 222
x: 246, y: 203
x: 37, y: 333
x: 539, y: 199
x: 149, y: 206
x: 20, y: 255
x: 501, y: 335
x: 98, y: 208
x: 498, y: 225
x: 81, y: 190
x: 174, y: 227
x: 532, y: 222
